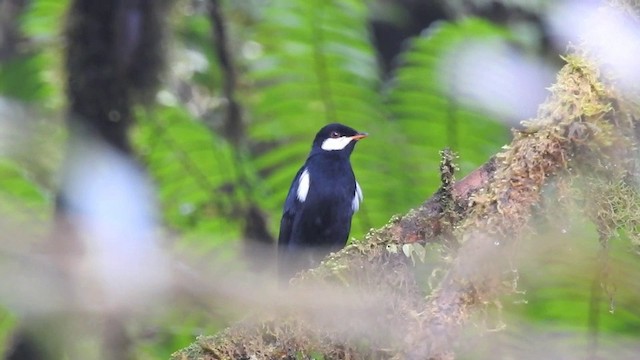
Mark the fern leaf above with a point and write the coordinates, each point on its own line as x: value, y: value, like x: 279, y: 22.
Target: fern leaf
x: 430, y: 119
x: 20, y: 197
x: 192, y: 167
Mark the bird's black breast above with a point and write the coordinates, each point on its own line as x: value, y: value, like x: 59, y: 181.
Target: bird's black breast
x: 325, y: 215
x: 321, y: 223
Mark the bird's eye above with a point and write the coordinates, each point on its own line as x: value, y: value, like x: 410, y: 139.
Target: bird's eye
x: 335, y: 134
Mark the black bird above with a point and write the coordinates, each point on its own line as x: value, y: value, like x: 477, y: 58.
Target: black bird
x: 323, y: 197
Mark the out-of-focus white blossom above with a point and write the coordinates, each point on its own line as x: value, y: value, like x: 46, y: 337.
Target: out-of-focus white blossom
x: 608, y: 34
x: 110, y: 203
x: 494, y: 77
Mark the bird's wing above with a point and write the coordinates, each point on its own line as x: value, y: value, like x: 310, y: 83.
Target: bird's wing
x: 357, y: 198
x: 294, y: 199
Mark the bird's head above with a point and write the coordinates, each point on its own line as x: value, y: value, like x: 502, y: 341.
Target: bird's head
x: 336, y: 138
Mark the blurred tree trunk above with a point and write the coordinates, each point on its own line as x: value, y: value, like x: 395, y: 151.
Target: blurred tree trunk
x: 113, y: 60
x: 258, y: 241
x: 10, y: 36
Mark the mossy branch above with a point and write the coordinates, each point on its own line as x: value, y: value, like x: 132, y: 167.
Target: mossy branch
x: 585, y: 131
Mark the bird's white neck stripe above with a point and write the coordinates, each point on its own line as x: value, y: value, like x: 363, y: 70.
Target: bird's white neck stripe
x: 332, y: 144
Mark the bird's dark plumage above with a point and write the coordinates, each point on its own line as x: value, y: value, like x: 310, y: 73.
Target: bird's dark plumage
x: 323, y: 197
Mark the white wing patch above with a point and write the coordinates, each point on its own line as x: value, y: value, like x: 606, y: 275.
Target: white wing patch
x: 332, y: 144
x: 357, y: 198
x: 303, y: 186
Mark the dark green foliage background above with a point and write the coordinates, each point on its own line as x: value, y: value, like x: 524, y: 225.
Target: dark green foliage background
x: 300, y: 64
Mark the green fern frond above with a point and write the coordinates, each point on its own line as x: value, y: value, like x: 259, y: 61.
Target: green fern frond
x: 20, y: 197
x: 431, y: 119
x: 42, y: 19
x: 37, y: 73
x: 193, y: 168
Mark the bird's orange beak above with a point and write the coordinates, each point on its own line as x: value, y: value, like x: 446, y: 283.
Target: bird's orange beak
x: 359, y: 136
